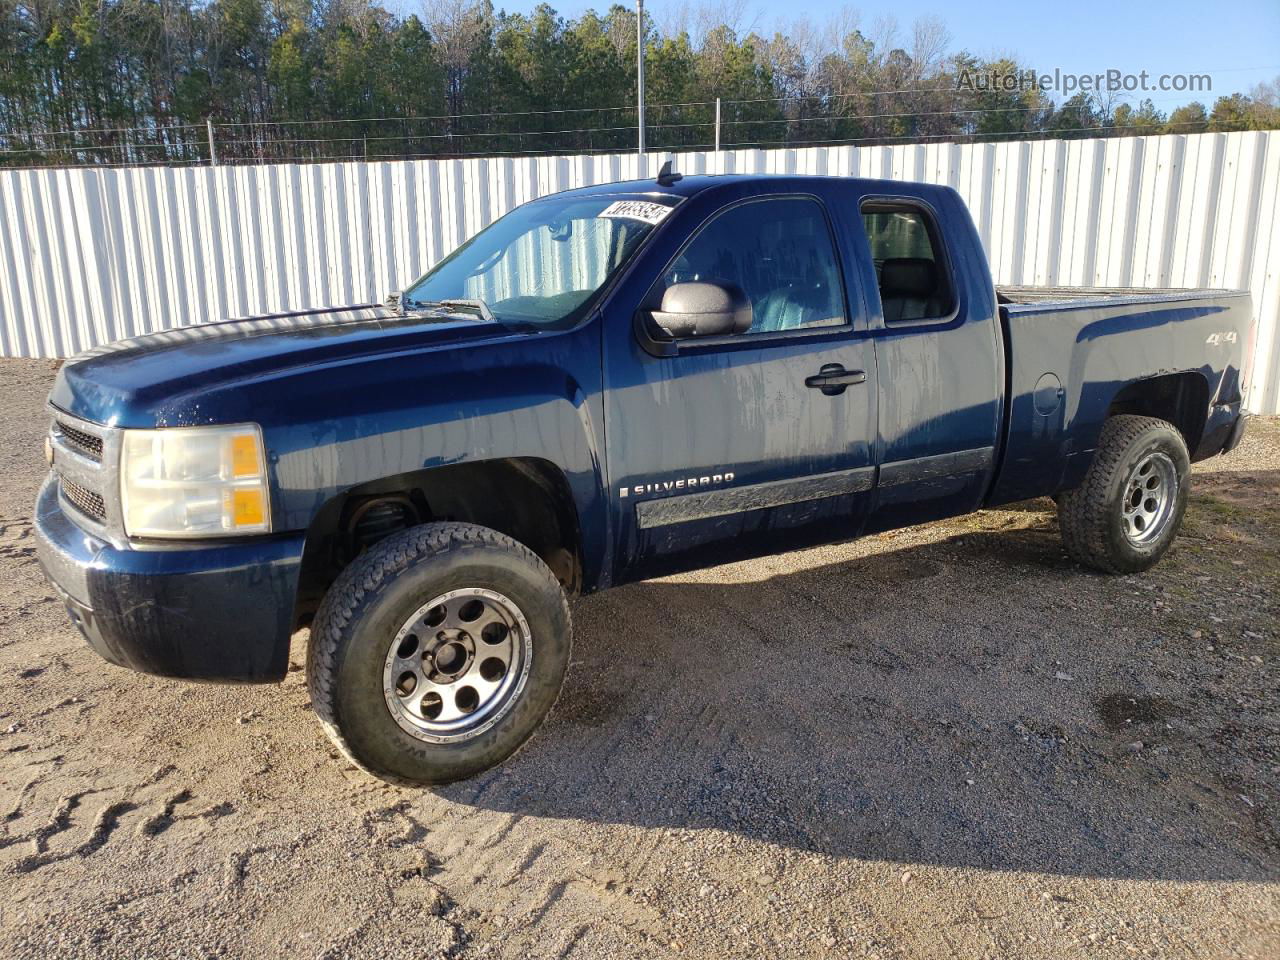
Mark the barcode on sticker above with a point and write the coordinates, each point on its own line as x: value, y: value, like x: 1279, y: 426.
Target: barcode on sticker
x: 636, y: 210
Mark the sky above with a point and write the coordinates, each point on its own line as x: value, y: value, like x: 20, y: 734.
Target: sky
x: 1237, y: 42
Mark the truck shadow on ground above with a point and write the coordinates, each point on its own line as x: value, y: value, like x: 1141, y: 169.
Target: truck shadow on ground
x: 971, y: 701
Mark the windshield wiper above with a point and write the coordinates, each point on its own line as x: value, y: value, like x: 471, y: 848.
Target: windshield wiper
x: 476, y: 304
x: 404, y: 305
x: 452, y: 306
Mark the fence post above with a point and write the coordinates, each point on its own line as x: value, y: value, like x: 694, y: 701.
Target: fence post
x: 717, y: 124
x: 213, y: 152
x: 640, y: 77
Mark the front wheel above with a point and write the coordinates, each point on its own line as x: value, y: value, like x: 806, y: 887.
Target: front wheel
x: 437, y: 653
x: 1126, y: 513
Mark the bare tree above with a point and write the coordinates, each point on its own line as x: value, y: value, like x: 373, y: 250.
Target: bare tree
x: 1105, y: 103
x: 457, y: 27
x: 930, y: 39
x: 704, y: 20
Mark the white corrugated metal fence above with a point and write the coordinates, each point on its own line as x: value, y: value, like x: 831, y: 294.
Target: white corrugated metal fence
x: 92, y: 255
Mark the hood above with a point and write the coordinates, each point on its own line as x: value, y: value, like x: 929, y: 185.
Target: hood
x: 147, y: 380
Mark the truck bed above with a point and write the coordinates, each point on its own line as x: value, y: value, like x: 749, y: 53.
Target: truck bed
x: 1070, y: 351
x: 1017, y: 296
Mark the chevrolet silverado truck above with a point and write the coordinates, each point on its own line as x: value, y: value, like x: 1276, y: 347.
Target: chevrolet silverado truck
x: 605, y: 385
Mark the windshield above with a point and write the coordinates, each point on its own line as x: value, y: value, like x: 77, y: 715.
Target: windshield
x: 544, y: 262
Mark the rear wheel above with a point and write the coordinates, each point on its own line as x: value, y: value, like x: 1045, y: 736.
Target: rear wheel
x: 438, y: 652
x: 1126, y: 513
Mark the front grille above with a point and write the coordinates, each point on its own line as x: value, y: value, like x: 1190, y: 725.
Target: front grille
x: 83, y: 443
x: 84, y: 499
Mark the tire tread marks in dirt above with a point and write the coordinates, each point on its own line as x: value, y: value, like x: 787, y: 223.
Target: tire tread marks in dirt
x: 104, y: 825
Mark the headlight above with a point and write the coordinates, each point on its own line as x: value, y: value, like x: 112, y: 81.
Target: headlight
x: 194, y: 482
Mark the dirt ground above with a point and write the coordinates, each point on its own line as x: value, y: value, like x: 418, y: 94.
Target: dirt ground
x: 948, y: 741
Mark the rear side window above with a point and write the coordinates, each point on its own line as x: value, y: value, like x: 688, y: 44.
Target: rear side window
x: 910, y: 269
x: 780, y: 253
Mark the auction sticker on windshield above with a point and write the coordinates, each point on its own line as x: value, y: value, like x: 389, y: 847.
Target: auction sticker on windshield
x: 636, y: 210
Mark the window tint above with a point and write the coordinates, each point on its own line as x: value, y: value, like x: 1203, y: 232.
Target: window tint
x: 910, y: 273
x: 779, y: 252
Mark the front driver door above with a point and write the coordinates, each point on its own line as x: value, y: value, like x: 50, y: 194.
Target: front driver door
x: 722, y: 450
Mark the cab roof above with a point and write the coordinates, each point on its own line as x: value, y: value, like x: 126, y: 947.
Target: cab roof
x: 690, y: 185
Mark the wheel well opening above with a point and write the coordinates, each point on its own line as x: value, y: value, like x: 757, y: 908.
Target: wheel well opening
x: 1180, y: 398
x: 526, y: 498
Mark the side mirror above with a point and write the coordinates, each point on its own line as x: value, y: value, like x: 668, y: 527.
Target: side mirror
x: 703, y: 310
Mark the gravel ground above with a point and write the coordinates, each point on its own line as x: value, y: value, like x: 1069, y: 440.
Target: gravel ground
x: 947, y: 741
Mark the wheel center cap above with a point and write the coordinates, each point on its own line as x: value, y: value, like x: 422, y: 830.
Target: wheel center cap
x: 450, y: 656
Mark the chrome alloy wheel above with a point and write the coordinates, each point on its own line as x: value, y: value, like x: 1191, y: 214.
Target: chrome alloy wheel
x: 457, y: 665
x: 1149, y: 498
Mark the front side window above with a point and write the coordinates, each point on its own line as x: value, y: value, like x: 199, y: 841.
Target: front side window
x: 779, y: 252
x: 909, y: 271
x: 544, y: 262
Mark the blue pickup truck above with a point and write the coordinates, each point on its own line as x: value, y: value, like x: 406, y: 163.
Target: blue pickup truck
x: 604, y: 385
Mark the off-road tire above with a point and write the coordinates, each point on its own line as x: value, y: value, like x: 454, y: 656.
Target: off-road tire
x: 1090, y: 516
x: 368, y: 603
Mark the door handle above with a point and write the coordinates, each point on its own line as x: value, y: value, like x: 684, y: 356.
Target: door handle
x: 833, y: 379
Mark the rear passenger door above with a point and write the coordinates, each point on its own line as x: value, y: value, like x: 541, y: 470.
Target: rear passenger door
x: 939, y: 353
x: 729, y: 445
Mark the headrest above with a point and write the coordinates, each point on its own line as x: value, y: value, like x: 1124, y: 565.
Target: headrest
x: 909, y: 277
